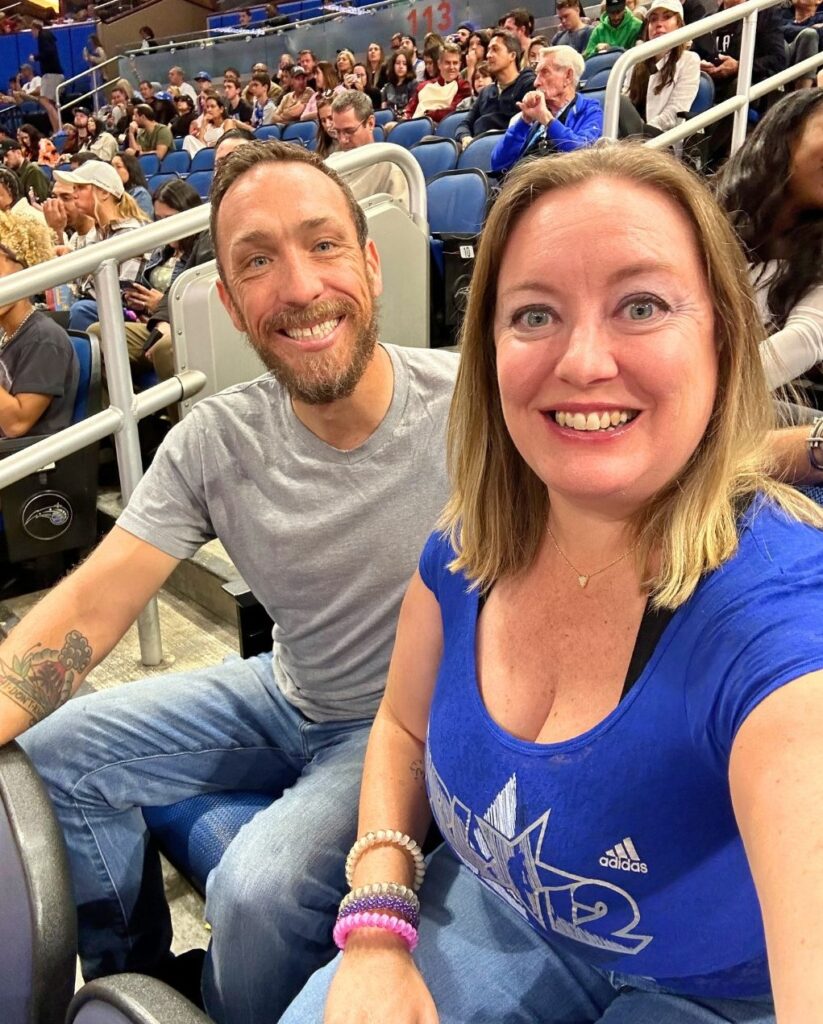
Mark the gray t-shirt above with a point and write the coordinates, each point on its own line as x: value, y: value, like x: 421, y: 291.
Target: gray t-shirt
x: 326, y: 539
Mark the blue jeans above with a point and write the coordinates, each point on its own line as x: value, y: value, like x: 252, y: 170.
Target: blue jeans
x: 83, y: 314
x: 273, y: 898
x: 483, y: 963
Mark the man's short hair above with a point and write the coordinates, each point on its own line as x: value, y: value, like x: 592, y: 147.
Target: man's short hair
x: 309, y: 52
x: 451, y: 48
x: 522, y: 17
x: 351, y: 99
x: 566, y: 57
x: 262, y: 78
x: 564, y: 4
x: 145, y: 110
x: 510, y: 41
x: 257, y: 154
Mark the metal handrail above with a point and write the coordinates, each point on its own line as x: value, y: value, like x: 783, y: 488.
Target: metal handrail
x: 126, y: 408
x: 737, y: 104
x: 85, y: 74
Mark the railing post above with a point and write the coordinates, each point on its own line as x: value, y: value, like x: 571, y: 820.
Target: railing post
x: 127, y: 439
x: 744, y: 78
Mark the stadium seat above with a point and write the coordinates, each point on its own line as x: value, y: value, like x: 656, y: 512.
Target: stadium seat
x: 46, y: 170
x: 435, y: 156
x: 175, y: 163
x: 302, y: 132
x: 37, y: 915
x: 203, y: 160
x: 132, y: 999
x: 156, y: 180
x: 149, y: 163
x: 378, y: 134
x: 478, y: 153
x: 600, y: 62
x: 201, y: 180
x: 406, y: 133
x: 59, y: 140
x: 597, y: 80
x: 178, y: 143
x: 457, y: 202
x: 55, y: 510
x: 382, y: 117
x: 705, y: 95
x: 268, y: 131
x: 447, y: 128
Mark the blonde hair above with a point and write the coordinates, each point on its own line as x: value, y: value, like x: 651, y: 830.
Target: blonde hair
x: 127, y: 209
x: 497, y: 513
x: 26, y: 239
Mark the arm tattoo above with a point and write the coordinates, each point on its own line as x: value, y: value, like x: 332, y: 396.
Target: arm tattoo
x: 418, y: 772
x: 43, y: 679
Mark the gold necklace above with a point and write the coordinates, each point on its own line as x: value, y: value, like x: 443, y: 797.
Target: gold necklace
x: 583, y: 578
x: 7, y: 339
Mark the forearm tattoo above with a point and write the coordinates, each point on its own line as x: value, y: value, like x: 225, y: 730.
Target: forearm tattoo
x: 43, y: 679
x: 418, y: 772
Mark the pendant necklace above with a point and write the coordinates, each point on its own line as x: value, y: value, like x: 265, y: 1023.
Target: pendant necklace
x: 7, y: 339
x: 583, y: 578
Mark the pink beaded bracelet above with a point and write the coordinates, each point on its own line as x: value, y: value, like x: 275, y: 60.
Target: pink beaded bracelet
x: 346, y: 925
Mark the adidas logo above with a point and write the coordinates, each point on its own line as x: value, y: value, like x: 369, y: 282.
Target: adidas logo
x: 624, y: 857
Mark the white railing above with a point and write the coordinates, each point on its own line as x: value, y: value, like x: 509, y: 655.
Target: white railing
x: 98, y: 84
x: 126, y: 408
x: 745, y: 91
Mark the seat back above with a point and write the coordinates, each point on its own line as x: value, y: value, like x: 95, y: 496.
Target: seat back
x: 406, y: 133
x: 203, y: 160
x: 303, y: 132
x: 435, y: 156
x: 597, y: 80
x: 37, y: 916
x: 457, y: 202
x: 268, y: 131
x: 132, y: 999
x: 447, y: 128
x: 156, y: 180
x: 705, y: 95
x: 201, y: 180
x: 149, y: 163
x: 175, y: 162
x: 600, y: 62
x: 382, y: 117
x: 479, y: 151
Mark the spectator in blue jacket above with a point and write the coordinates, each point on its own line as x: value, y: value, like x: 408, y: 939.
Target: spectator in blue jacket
x: 552, y: 118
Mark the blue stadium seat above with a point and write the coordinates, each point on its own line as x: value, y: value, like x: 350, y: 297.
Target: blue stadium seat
x: 705, y: 95
x: 457, y: 202
x: 149, y: 163
x: 203, y: 160
x: 175, y: 162
x: 382, y: 117
x: 302, y: 132
x: 178, y: 144
x: 597, y: 80
x: 268, y: 131
x: 478, y: 153
x: 435, y: 156
x: 447, y: 128
x: 378, y: 133
x: 156, y: 180
x: 59, y: 140
x: 200, y: 180
x: 193, y: 834
x: 600, y: 62
x: 406, y: 133
x: 46, y: 170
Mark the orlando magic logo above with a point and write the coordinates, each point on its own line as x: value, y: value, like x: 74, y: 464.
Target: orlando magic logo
x: 46, y: 515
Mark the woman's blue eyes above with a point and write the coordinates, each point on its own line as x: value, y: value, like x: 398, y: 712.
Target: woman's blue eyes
x: 536, y: 317
x: 638, y: 309
x: 642, y: 309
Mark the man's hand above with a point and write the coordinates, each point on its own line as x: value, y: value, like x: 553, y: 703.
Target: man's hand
x: 55, y: 216
x: 533, y: 108
x: 727, y: 68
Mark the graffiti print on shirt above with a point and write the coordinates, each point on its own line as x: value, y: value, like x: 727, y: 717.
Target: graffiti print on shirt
x: 516, y: 866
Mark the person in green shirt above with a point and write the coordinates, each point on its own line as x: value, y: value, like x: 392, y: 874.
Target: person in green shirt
x: 617, y: 28
x: 30, y: 176
x: 146, y: 135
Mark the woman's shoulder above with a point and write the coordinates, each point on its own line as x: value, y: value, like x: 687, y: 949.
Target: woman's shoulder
x: 438, y: 553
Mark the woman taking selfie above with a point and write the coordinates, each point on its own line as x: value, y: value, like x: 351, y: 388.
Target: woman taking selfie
x: 608, y: 666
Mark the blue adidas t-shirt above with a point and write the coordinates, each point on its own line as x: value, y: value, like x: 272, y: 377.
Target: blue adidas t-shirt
x: 621, y: 844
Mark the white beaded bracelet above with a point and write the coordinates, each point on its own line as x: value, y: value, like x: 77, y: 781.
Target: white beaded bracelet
x: 382, y: 889
x: 393, y: 838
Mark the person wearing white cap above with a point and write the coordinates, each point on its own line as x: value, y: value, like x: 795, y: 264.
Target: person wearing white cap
x: 662, y: 87
x: 100, y: 194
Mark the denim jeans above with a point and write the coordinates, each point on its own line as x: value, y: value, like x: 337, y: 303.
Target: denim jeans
x: 273, y: 898
x: 484, y: 964
x: 83, y: 314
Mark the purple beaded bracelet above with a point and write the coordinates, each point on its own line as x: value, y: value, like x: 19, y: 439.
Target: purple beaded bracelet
x: 382, y: 901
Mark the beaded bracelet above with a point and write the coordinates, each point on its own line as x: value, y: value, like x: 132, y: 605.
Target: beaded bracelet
x: 394, y: 838
x: 399, y: 906
x: 346, y: 925
x: 382, y: 889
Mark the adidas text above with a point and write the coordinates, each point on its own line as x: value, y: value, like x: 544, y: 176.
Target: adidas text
x: 624, y: 865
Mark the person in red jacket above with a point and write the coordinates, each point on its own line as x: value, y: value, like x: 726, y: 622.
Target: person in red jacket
x: 440, y: 96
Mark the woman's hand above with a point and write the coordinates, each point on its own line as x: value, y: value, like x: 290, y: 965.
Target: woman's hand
x: 143, y: 300
x: 378, y: 983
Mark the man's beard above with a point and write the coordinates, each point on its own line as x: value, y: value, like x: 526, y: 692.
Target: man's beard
x: 322, y: 377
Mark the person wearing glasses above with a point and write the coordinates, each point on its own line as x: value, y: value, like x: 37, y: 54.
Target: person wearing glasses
x: 353, y: 117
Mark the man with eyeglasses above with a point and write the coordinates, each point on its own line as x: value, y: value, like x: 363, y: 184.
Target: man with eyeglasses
x: 353, y: 115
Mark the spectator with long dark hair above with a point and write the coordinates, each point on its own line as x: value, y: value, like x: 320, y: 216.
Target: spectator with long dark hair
x: 401, y: 83
x: 770, y: 188
x: 328, y: 86
x: 133, y: 177
x: 326, y: 135
x: 375, y: 66
x: 661, y: 87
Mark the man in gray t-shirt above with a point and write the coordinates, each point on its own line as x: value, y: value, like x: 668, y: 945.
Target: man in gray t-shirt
x: 323, y: 480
